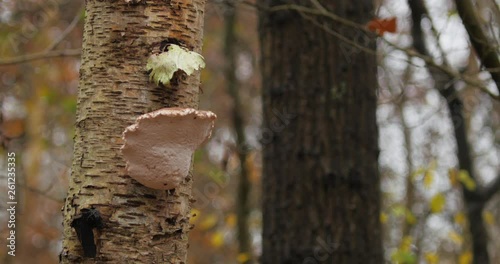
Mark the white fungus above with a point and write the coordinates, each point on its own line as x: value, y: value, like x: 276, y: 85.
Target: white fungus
x: 159, y: 146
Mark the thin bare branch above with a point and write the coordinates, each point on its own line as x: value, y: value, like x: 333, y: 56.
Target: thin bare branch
x: 66, y: 31
x: 340, y: 36
x: 40, y: 55
x: 410, y: 52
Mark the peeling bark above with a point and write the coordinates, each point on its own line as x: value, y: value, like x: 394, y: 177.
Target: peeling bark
x: 140, y: 225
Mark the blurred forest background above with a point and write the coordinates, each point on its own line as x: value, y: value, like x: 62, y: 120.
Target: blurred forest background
x: 423, y: 202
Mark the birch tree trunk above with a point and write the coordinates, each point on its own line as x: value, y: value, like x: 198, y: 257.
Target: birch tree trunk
x: 140, y: 225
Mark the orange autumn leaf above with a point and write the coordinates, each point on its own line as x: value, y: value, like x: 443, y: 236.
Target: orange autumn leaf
x: 12, y: 128
x: 380, y: 26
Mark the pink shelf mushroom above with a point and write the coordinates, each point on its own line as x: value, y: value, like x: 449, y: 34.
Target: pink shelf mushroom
x: 159, y: 147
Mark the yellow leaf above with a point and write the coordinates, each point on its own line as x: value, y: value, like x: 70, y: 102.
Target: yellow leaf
x: 431, y: 258
x: 406, y: 243
x: 208, y: 222
x: 383, y: 218
x: 489, y: 218
x: 437, y: 203
x: 403, y: 257
x: 465, y: 258
x: 231, y: 220
x: 399, y: 210
x: 428, y: 178
x: 417, y: 172
x: 217, y: 239
x: 467, y: 181
x: 195, y: 214
x: 453, y: 176
x: 410, y: 218
x: 452, y: 13
x: 455, y: 237
x: 243, y: 257
x: 470, y: 184
x: 460, y: 219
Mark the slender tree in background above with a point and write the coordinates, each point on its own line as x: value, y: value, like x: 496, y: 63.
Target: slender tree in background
x: 320, y: 174
x: 474, y: 199
x: 244, y: 185
x: 483, y: 45
x: 140, y: 225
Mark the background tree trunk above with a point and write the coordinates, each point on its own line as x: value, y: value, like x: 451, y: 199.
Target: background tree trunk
x: 474, y: 200
x: 321, y: 192
x: 141, y: 225
x: 244, y: 186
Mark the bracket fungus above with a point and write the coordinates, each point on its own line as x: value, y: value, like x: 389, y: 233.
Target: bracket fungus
x: 159, y: 146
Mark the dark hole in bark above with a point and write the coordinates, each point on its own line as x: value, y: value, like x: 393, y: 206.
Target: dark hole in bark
x: 84, y: 225
x: 168, y: 41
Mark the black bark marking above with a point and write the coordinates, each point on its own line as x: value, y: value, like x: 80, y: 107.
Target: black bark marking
x: 84, y: 225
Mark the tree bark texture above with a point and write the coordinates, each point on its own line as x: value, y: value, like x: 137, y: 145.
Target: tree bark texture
x: 140, y: 225
x: 321, y: 192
